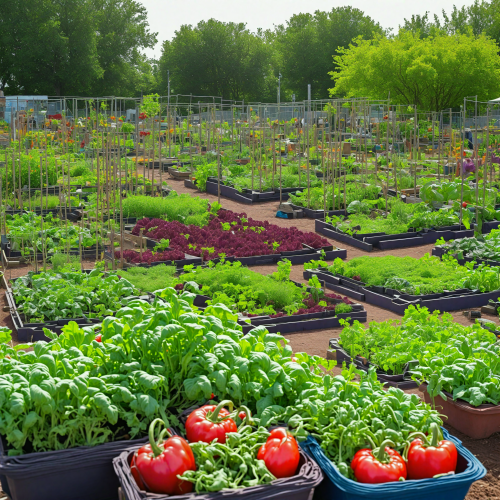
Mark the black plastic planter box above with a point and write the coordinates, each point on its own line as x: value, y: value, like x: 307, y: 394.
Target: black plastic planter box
x: 83, y: 473
x: 298, y: 322
x: 398, y: 302
x: 190, y: 184
x: 189, y: 259
x: 251, y: 197
x: 306, y: 254
x: 488, y: 226
x: 297, y: 257
x: 73, y: 213
x: 399, y: 381
x: 383, y: 241
x: 439, y: 252
x: 32, y: 332
x: 305, y: 322
x: 17, y: 254
x: 319, y: 214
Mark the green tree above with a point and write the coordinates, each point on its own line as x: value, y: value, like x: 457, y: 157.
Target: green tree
x: 434, y: 72
x: 217, y: 59
x: 122, y: 31
x: 48, y: 47
x: 307, y: 42
x: 478, y: 17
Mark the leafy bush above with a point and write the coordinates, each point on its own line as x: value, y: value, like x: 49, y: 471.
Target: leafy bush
x: 50, y: 295
x: 406, y: 274
x: 150, y: 279
x: 462, y: 360
x: 182, y: 208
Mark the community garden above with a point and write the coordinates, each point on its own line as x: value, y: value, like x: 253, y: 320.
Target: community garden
x: 213, y: 300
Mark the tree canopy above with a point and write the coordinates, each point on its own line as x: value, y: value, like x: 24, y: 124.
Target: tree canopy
x: 72, y: 47
x: 307, y: 43
x: 94, y: 48
x: 218, y: 59
x: 434, y: 72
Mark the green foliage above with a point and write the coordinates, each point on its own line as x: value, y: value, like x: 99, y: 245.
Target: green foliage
x: 435, y: 342
x: 25, y: 235
x: 51, y: 295
x: 485, y: 247
x: 406, y: 274
x: 150, y: 279
x: 343, y: 308
x: 128, y: 128
x: 96, y: 44
x: 289, y: 178
x: 428, y: 72
x: 150, y: 105
x: 151, y: 357
x: 65, y: 262
x: 29, y: 163
x: 241, y: 70
x: 182, y: 208
x: 242, y: 289
x: 354, y: 192
x: 341, y: 412
x: 230, y: 465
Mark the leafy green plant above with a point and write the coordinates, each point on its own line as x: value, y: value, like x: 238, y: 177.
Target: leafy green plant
x: 182, y: 208
x: 150, y: 279
x: 162, y: 246
x: 486, y: 247
x: 51, y: 295
x: 242, y: 289
x: 417, y: 276
x: 64, y: 262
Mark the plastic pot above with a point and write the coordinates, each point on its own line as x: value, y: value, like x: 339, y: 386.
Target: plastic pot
x: 453, y: 487
x: 299, y: 487
x: 477, y: 422
x: 81, y: 473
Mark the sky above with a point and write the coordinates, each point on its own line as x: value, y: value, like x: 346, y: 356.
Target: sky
x: 166, y: 16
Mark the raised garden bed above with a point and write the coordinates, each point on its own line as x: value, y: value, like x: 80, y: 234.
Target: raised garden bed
x: 189, y: 183
x: 439, y: 252
x: 383, y: 241
x: 73, y: 214
x: 402, y: 381
x: 477, y: 422
x: 397, y: 301
x: 32, y: 332
x: 295, y: 257
x: 63, y: 474
x: 179, y: 263
x: 15, y: 256
x: 248, y: 196
x: 298, y: 256
x: 319, y: 214
x: 297, y: 322
x: 177, y: 174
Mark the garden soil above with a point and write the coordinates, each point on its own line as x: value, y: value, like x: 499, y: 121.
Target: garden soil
x: 315, y: 342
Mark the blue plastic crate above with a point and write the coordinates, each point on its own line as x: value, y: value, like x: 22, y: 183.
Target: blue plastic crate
x: 337, y: 487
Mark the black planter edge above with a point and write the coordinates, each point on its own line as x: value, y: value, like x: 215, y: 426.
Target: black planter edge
x: 398, y: 305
